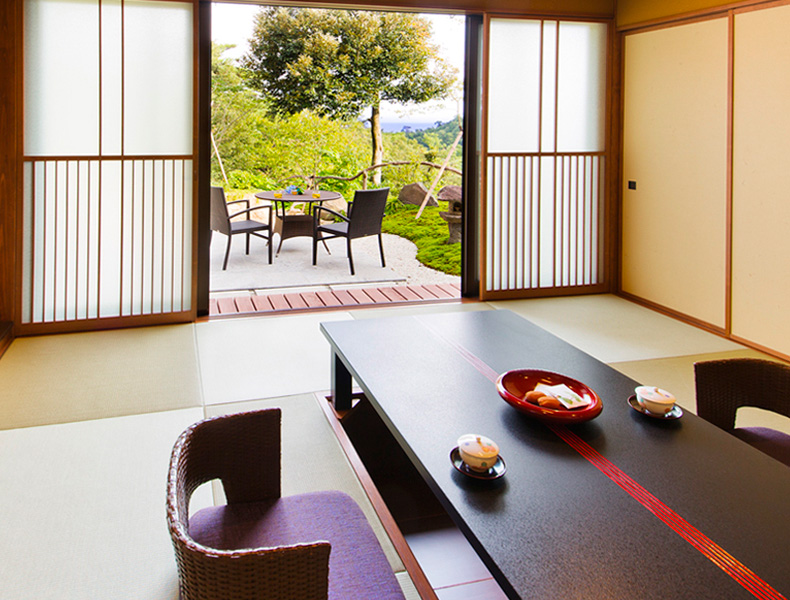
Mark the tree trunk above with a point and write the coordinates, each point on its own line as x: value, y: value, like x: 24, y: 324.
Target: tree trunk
x: 378, y: 145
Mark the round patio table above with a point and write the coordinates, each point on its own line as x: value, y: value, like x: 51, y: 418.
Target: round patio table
x: 288, y: 226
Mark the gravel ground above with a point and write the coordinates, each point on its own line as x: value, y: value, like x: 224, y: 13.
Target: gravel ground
x: 293, y: 267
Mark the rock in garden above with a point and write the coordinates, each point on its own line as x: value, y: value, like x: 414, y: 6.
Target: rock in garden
x: 414, y: 193
x: 339, y: 205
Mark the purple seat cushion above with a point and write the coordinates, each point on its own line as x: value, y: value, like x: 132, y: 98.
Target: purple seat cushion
x: 772, y: 442
x: 358, y: 567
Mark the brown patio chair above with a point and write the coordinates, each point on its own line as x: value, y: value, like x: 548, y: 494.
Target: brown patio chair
x: 221, y: 222
x: 364, y: 218
x: 723, y: 386
x: 260, y: 545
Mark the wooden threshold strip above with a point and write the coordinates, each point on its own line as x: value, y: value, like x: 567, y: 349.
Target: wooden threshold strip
x: 351, y: 297
x: 417, y: 575
x: 6, y: 336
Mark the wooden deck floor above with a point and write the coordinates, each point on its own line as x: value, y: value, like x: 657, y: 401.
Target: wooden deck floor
x: 332, y: 298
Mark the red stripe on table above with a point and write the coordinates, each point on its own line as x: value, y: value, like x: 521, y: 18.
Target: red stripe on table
x: 476, y: 362
x: 715, y: 553
x: 720, y: 557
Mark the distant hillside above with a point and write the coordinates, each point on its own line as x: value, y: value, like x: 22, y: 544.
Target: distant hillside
x: 446, y: 132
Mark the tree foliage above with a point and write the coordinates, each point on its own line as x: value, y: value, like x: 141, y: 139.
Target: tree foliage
x: 236, y: 114
x: 444, y: 133
x: 263, y: 151
x: 338, y: 62
x: 305, y: 144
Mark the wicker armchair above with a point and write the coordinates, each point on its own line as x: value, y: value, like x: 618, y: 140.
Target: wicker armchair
x: 723, y: 386
x: 221, y: 222
x: 364, y: 218
x: 260, y: 545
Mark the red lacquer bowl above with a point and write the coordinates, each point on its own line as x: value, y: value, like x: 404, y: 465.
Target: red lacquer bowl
x: 513, y: 385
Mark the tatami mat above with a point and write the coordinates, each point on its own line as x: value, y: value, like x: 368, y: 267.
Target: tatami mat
x: 613, y: 329
x: 83, y: 508
x: 81, y: 376
x: 676, y: 374
x: 312, y: 459
x: 248, y: 358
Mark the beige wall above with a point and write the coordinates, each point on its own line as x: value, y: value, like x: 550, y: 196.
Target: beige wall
x: 596, y: 8
x: 761, y: 178
x: 631, y: 12
x: 675, y: 149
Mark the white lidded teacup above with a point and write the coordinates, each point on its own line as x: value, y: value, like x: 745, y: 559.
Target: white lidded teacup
x: 478, y: 452
x: 654, y: 399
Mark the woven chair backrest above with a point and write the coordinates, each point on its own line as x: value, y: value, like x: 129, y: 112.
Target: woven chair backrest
x: 723, y: 386
x: 367, y: 212
x: 241, y: 450
x: 219, y: 211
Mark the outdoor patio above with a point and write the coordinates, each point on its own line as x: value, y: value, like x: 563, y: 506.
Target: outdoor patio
x: 291, y: 282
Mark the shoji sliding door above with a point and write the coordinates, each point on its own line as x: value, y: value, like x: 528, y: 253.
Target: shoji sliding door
x: 675, y: 157
x: 761, y: 178
x: 108, y: 165
x: 545, y: 157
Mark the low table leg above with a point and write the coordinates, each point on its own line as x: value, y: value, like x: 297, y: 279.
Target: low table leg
x: 341, y: 384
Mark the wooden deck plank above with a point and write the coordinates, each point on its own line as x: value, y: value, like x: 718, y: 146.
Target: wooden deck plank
x: 421, y: 292
x: 360, y: 296
x: 404, y: 291
x: 262, y: 303
x: 451, y: 288
x: 425, y: 292
x: 279, y: 302
x: 227, y: 306
x: 329, y: 298
x: 392, y: 294
x: 244, y: 304
x: 312, y: 300
x: 439, y: 291
x: 295, y: 300
x: 333, y: 298
x: 345, y: 297
x: 376, y: 295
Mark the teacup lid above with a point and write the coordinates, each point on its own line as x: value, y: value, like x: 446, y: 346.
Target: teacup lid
x: 478, y: 445
x: 654, y: 394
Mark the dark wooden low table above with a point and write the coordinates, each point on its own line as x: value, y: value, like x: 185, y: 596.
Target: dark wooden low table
x: 290, y: 226
x: 622, y: 507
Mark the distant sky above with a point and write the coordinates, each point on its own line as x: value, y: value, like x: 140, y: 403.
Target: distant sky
x: 232, y: 24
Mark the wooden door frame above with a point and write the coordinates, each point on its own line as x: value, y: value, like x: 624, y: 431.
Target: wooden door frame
x: 10, y: 150
x: 609, y: 209
x: 470, y: 264
x: 12, y: 188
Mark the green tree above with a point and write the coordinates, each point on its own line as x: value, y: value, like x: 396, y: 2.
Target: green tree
x: 295, y: 148
x: 259, y: 151
x: 236, y: 115
x: 337, y: 63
